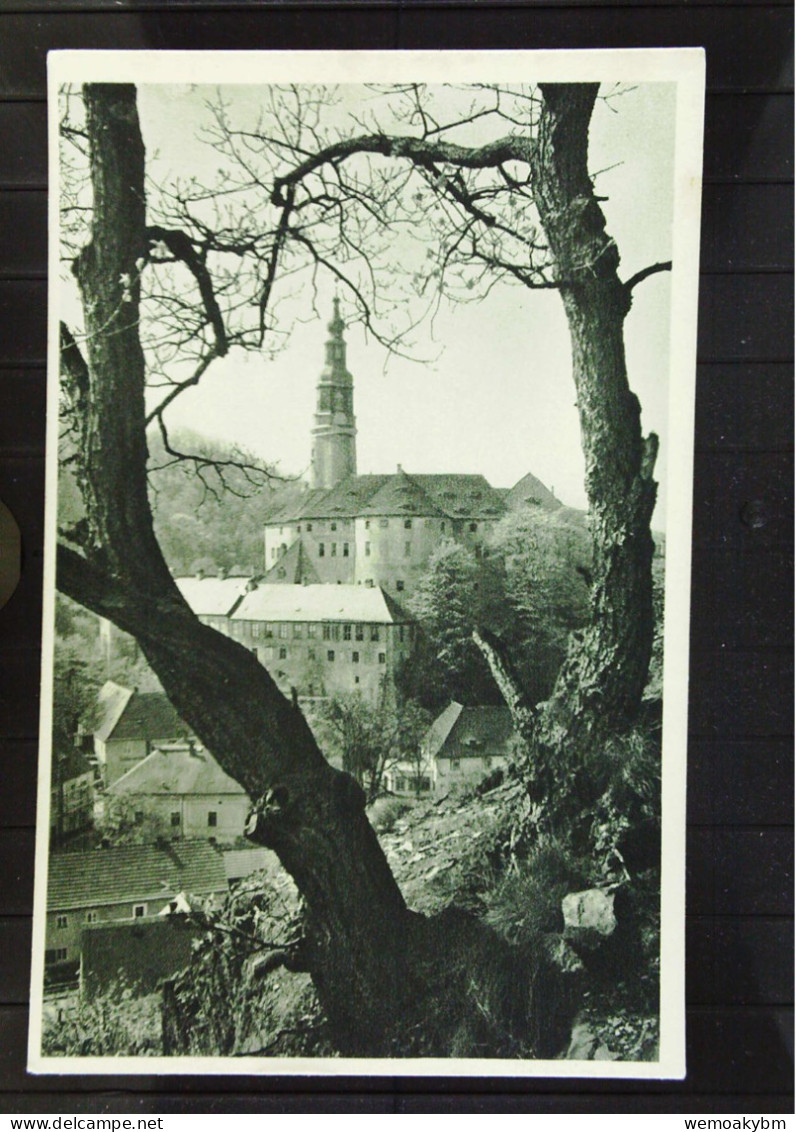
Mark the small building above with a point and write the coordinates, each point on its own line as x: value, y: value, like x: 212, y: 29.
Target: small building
x: 182, y: 786
x: 131, y: 724
x: 324, y: 640
x: 465, y: 744
x: 123, y: 882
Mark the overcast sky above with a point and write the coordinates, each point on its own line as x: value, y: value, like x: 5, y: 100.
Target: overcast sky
x: 499, y: 398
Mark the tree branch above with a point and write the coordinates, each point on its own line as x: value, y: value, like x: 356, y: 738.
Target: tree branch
x: 645, y: 273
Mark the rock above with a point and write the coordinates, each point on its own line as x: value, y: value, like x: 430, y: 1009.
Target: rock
x: 582, y: 1043
x: 588, y: 916
x: 603, y: 1053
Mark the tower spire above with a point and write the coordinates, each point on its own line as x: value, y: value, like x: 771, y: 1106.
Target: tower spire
x: 334, y: 432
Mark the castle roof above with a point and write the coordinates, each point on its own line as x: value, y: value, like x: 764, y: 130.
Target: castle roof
x: 319, y: 603
x: 124, y: 873
x: 451, y: 496
x: 174, y: 771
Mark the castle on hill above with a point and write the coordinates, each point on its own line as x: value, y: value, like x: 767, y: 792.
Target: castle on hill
x: 374, y: 530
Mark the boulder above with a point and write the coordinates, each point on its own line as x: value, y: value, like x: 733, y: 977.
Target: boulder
x: 588, y: 916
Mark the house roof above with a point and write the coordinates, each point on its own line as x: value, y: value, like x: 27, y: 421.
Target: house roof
x: 241, y: 862
x: 460, y: 731
x: 176, y: 770
x: 126, y: 873
x: 212, y: 597
x: 149, y: 716
x: 294, y: 567
x: 111, y: 702
x: 529, y: 491
x: 319, y: 603
x: 455, y: 496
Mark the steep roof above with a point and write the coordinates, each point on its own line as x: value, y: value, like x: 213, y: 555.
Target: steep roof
x: 452, y: 495
x: 125, y: 873
x: 400, y: 495
x: 529, y: 491
x: 462, y: 731
x: 149, y: 716
x: 176, y: 770
x: 462, y: 496
x: 211, y: 597
x: 111, y: 702
x: 294, y: 567
x: 318, y: 603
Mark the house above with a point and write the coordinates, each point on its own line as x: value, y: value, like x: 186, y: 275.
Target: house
x: 323, y: 640
x: 131, y: 724
x: 374, y: 530
x: 72, y: 794
x: 183, y: 788
x: 464, y: 744
x: 123, y: 882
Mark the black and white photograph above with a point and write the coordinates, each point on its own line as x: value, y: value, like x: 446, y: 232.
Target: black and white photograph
x: 369, y: 487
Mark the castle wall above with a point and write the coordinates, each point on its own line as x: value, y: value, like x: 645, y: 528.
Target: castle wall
x: 393, y: 551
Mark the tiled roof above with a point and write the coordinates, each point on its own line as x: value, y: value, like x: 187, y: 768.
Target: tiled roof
x: 211, y: 597
x: 174, y: 771
x: 400, y: 495
x: 531, y: 492
x: 456, y: 496
x: 126, y: 873
x: 318, y: 603
x: 111, y: 702
x: 294, y: 567
x: 462, y: 731
x: 150, y: 716
x: 462, y: 496
x: 241, y: 862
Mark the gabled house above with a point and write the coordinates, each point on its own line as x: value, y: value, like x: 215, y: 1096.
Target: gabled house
x: 465, y: 744
x: 124, y: 882
x: 131, y: 724
x: 182, y: 786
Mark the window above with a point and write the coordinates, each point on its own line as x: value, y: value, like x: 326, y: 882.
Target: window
x: 345, y: 550
x: 327, y: 632
x: 298, y: 630
x: 384, y: 522
x: 382, y: 658
x: 282, y: 653
x: 407, y: 524
x: 298, y: 529
x: 309, y: 526
x: 367, y: 524
x: 312, y: 630
x: 399, y: 585
x: 310, y: 656
x: 454, y: 764
x: 359, y: 632
x: 367, y: 550
x: 330, y: 654
x: 212, y: 818
x: 355, y: 657
x: 369, y: 583
x: 92, y: 917
x: 62, y: 922
x: 255, y: 628
x: 374, y: 632
x: 356, y: 679
x: 256, y: 654
x: 321, y: 550
x: 346, y: 632
x: 473, y: 526
x: 283, y: 630
x: 407, y: 550
x: 139, y: 911
x: 175, y: 818
x: 58, y: 954
x: 268, y: 630
x: 334, y: 526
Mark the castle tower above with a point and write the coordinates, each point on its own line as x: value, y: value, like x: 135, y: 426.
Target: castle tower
x: 334, y: 452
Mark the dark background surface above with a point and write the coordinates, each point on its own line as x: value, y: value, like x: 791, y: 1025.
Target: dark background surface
x: 740, y: 879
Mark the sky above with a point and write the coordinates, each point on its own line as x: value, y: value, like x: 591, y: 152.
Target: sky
x: 498, y: 396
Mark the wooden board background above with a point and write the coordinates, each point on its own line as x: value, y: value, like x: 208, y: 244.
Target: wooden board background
x: 740, y: 847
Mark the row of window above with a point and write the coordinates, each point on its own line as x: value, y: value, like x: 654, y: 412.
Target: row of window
x: 383, y: 523
x: 332, y: 549
x: 312, y: 655
x: 330, y: 630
